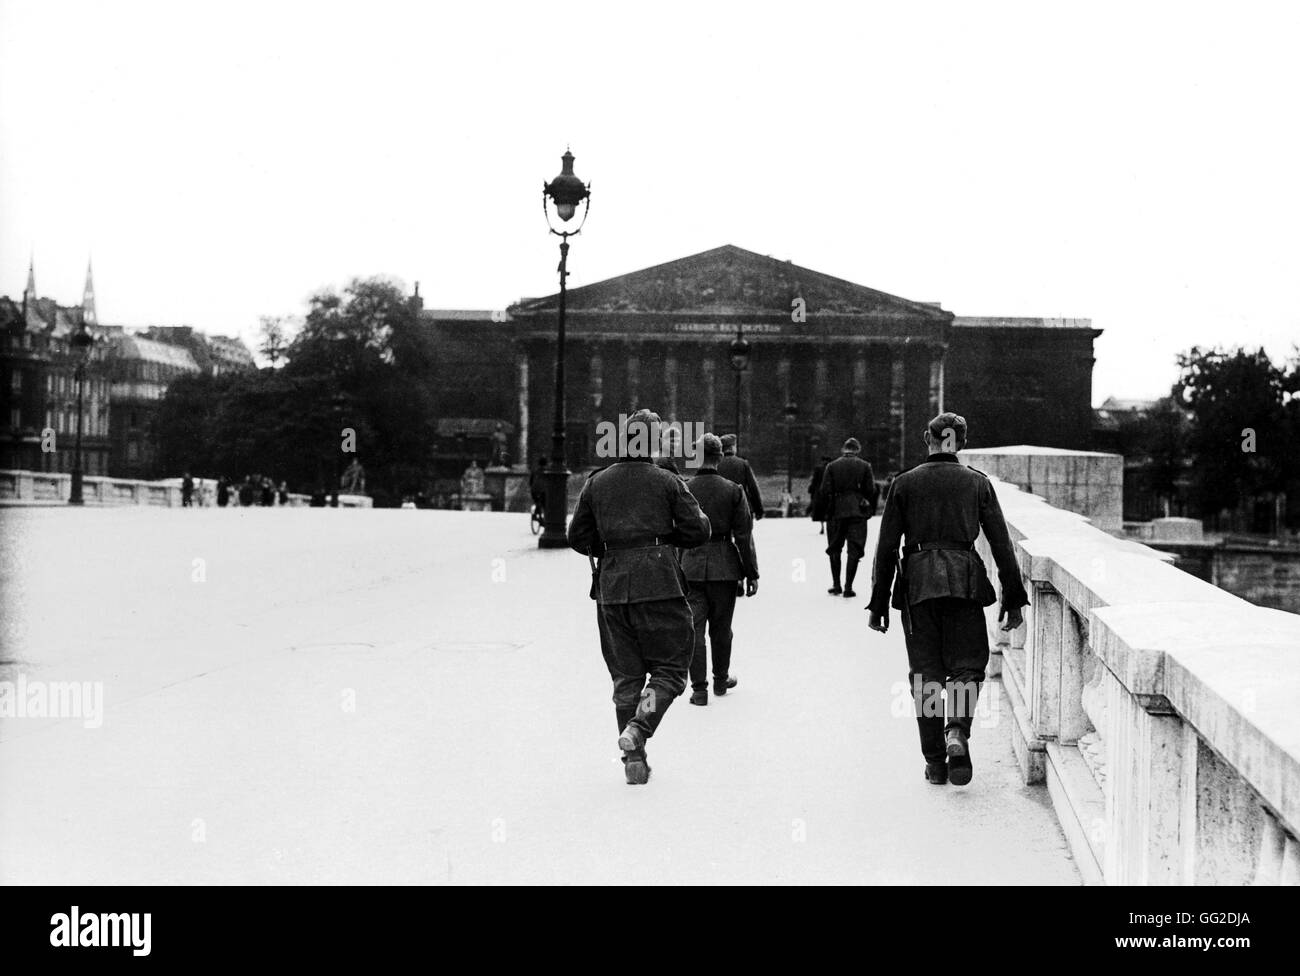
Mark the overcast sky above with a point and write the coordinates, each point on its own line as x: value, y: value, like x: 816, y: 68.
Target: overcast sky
x: 1135, y: 164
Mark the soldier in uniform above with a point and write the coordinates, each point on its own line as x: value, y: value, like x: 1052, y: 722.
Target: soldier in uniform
x: 848, y: 493
x: 735, y: 468
x: 714, y: 571
x: 631, y: 515
x: 937, y: 510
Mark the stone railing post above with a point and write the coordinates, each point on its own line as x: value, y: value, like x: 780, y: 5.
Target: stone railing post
x: 1151, y: 799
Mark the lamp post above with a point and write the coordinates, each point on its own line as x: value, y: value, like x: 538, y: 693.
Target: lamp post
x: 339, y: 402
x: 791, y: 415
x: 81, y: 341
x: 738, y: 352
x: 565, y: 193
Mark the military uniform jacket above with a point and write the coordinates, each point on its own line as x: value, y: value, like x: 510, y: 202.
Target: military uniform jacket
x: 942, y: 500
x: 848, y: 488
x: 629, y: 501
x: 737, y: 469
x: 729, y: 553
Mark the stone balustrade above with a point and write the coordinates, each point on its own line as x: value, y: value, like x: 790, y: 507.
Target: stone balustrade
x: 53, y: 488
x: 1160, y: 710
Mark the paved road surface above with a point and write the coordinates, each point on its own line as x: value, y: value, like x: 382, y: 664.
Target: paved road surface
x: 348, y: 696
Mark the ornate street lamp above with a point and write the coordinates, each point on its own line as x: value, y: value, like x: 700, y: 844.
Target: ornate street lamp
x: 566, y: 192
x: 80, y: 341
x: 738, y: 352
x: 791, y: 415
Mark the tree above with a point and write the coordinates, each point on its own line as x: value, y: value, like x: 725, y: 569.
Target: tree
x: 1240, y: 440
x: 275, y: 337
x: 366, y: 344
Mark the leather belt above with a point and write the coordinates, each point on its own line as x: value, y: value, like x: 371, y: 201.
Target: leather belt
x: 929, y: 546
x: 645, y: 543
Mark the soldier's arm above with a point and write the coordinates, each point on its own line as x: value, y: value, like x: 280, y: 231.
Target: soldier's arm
x: 868, y: 486
x: 583, y: 534
x: 995, y: 529
x: 886, y: 562
x: 742, y: 528
x: 690, y: 525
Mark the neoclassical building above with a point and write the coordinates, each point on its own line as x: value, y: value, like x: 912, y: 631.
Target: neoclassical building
x: 853, y: 360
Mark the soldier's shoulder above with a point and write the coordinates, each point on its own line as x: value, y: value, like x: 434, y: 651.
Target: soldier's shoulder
x: 982, y: 474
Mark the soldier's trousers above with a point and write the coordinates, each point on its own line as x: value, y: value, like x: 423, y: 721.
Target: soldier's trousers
x: 850, y: 530
x: 647, y: 648
x: 713, y: 602
x: 947, y: 652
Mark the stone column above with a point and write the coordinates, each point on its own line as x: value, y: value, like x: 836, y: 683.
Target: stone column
x: 597, y: 385
x: 670, y: 387
x: 898, y: 409
x: 821, y: 387
x: 521, y: 364
x: 710, y: 391
x: 633, y: 379
x: 860, y: 391
x: 936, y: 381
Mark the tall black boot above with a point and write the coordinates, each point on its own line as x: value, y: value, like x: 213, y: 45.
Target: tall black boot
x: 835, y: 576
x: 850, y: 572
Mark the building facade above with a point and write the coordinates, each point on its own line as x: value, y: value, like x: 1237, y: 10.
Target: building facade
x: 853, y: 361
x: 126, y: 376
x: 38, y: 386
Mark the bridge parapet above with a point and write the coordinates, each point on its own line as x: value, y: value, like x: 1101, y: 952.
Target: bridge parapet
x: 54, y: 488
x: 1160, y: 710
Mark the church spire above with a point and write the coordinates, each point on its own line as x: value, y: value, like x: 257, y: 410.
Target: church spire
x: 31, y: 310
x: 29, y: 293
x: 88, y: 299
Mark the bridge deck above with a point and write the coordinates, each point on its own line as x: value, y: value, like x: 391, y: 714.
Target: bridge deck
x: 397, y: 696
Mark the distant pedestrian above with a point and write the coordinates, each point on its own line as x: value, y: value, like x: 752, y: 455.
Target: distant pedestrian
x: 936, y: 511
x: 537, y: 486
x: 284, y: 493
x: 817, y: 504
x: 630, y: 516
x: 848, y: 493
x: 187, y: 490
x: 735, y: 468
x: 714, y: 571
x: 246, y: 493
x: 268, y: 493
x: 223, y: 491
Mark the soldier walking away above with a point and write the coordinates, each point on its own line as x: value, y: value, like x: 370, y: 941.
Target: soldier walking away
x: 848, y: 494
x: 714, y: 571
x: 937, y: 510
x: 735, y: 468
x: 631, y: 515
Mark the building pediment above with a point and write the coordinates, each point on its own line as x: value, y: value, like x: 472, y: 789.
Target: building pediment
x: 731, y: 280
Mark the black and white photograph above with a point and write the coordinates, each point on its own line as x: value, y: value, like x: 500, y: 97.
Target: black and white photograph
x: 695, y: 444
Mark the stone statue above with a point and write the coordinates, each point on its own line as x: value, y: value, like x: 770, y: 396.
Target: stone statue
x: 472, y: 481
x: 500, y: 447
x: 353, y: 481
